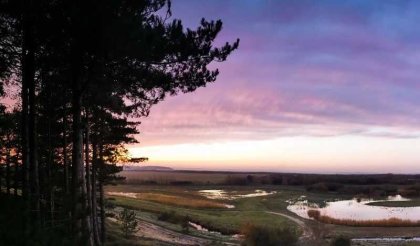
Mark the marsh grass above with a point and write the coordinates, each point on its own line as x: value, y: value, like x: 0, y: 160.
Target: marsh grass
x: 391, y: 222
x: 183, y: 201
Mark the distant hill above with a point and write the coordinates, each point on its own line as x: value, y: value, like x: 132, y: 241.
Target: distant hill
x: 147, y: 168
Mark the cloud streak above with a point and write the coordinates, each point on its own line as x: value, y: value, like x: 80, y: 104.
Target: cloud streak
x: 323, y: 68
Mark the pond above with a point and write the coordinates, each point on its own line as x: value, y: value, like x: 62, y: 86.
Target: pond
x: 232, y: 195
x: 357, y: 210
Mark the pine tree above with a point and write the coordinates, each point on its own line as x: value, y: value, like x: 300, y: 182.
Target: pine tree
x: 85, y: 68
x: 128, y: 222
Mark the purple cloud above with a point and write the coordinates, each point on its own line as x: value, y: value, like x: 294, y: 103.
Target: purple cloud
x: 303, y: 68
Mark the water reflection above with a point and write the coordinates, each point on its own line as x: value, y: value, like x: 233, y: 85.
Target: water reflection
x: 232, y: 195
x: 357, y: 209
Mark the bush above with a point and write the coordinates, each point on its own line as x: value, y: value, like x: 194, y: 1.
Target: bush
x: 410, y: 191
x: 314, y: 214
x: 128, y: 222
x: 109, y: 203
x: 341, y: 241
x: 264, y: 236
x: 169, y: 217
x: 185, y: 223
x: 174, y: 218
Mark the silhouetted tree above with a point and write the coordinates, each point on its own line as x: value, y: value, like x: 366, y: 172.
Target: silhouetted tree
x: 84, y: 68
x: 128, y: 222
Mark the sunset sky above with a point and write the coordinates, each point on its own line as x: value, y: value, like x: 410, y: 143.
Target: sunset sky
x: 315, y: 86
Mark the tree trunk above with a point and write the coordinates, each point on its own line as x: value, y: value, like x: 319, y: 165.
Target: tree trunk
x: 8, y: 159
x: 49, y: 163
x: 101, y: 192
x: 82, y: 235
x: 79, y: 211
x: 33, y: 155
x: 87, y: 171
x: 94, y: 197
x: 78, y: 203
x: 33, y: 158
x: 65, y: 158
x: 28, y: 75
x: 1, y: 176
x: 16, y: 172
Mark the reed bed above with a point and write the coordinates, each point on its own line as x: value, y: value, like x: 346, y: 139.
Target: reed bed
x: 182, y: 201
x: 391, y: 222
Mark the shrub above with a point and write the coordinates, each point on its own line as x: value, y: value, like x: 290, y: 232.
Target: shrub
x: 109, y: 203
x: 312, y: 213
x: 168, y: 217
x: 174, y: 218
x: 264, y: 236
x: 410, y: 191
x: 341, y: 241
x: 185, y: 223
x: 128, y: 222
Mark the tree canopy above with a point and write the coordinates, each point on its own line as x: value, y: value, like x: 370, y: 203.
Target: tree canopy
x: 85, y: 70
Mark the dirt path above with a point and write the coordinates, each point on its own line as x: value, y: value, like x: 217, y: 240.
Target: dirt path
x: 150, y: 230
x: 307, y: 234
x: 153, y: 231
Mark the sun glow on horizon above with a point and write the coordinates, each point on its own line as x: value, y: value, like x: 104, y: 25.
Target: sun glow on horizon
x: 292, y: 154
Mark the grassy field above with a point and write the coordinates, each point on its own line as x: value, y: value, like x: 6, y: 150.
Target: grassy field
x: 246, y: 210
x: 175, y: 200
x: 225, y: 220
x: 151, y: 201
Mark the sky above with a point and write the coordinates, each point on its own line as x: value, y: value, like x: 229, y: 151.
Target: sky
x: 315, y: 86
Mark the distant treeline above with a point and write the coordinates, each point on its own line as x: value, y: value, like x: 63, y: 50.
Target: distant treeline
x: 238, y: 178
x: 368, y: 185
x: 350, y: 179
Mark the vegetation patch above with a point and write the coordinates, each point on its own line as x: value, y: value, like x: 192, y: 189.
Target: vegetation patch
x: 182, y: 201
x: 402, y: 204
x: 225, y: 221
x: 266, y: 236
x: 341, y: 241
x: 391, y: 222
x: 128, y: 222
x: 116, y: 237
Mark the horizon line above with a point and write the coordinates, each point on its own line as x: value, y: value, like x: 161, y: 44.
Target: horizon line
x: 265, y: 171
